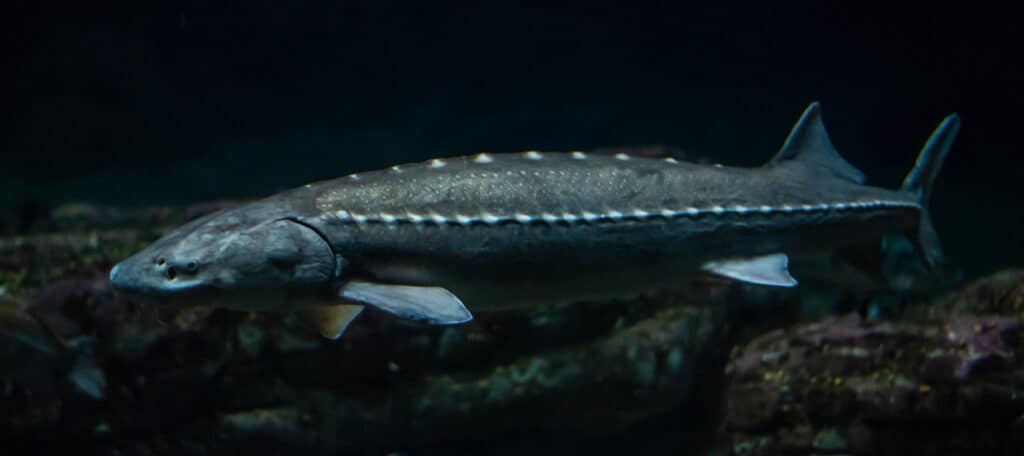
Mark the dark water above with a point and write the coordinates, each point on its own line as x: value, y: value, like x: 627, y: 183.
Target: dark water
x: 195, y: 102
x: 134, y: 105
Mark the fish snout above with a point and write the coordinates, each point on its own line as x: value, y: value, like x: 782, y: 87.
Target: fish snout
x: 127, y: 278
x: 121, y: 280
x: 114, y: 276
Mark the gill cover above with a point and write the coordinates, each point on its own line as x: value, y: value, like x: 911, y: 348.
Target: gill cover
x: 281, y: 252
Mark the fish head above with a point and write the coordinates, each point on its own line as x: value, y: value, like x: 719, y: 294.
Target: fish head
x: 231, y: 254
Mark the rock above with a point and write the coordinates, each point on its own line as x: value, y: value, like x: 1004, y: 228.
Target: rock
x: 88, y: 378
x: 943, y: 376
x: 603, y: 386
x: 275, y: 421
x: 83, y: 365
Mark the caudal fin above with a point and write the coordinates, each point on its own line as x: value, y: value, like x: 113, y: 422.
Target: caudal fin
x: 919, y: 182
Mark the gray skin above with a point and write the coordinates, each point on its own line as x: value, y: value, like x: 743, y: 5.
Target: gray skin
x: 241, y: 259
x: 511, y: 264
x: 510, y: 230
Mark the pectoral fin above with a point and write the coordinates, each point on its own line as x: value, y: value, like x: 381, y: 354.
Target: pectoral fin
x: 331, y: 320
x: 763, y: 270
x: 434, y: 305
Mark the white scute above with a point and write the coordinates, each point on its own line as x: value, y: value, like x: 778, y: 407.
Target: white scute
x: 610, y: 214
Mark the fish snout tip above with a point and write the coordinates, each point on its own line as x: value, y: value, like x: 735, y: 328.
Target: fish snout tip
x: 117, y: 277
x: 120, y: 278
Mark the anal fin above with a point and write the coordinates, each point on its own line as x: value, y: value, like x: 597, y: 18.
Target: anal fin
x: 331, y: 320
x: 762, y: 270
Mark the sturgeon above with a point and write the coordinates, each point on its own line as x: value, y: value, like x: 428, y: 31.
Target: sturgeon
x: 430, y: 241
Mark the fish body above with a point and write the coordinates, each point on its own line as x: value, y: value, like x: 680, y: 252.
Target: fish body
x: 507, y: 230
x: 495, y: 231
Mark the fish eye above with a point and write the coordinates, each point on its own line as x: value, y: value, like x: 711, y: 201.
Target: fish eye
x: 161, y: 262
x: 191, y: 266
x: 171, y: 273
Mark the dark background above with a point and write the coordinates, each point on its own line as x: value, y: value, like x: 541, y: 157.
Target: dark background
x: 131, y: 104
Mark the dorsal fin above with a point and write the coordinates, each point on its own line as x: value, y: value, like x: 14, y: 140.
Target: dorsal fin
x: 808, y: 144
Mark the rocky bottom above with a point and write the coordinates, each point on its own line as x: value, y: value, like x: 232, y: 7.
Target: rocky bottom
x: 87, y: 371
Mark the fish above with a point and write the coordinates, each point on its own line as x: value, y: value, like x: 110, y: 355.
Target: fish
x: 436, y: 241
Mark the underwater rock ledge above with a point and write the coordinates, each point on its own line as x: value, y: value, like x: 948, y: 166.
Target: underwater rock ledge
x: 84, y: 370
x: 944, y: 378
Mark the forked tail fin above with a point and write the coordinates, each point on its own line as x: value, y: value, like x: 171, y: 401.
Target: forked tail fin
x: 919, y: 182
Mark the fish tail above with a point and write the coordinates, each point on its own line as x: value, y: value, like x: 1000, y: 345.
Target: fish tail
x: 919, y: 182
